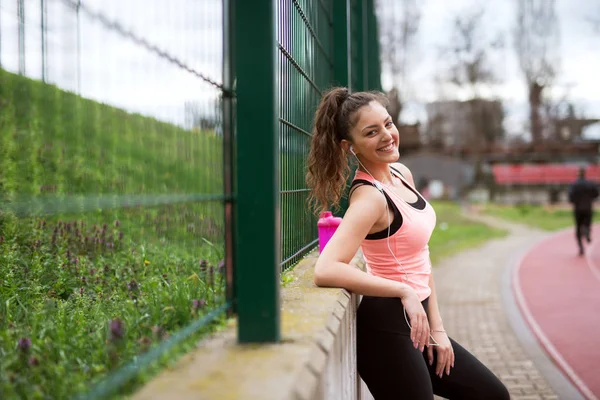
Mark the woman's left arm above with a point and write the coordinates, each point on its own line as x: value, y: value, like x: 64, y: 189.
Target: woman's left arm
x: 445, y: 353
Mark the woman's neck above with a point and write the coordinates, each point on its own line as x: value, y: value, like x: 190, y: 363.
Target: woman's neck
x: 380, y: 172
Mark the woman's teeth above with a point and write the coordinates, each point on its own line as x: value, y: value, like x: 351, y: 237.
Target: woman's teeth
x: 388, y: 147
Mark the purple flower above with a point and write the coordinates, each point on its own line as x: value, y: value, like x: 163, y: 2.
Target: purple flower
x: 157, y: 330
x: 203, y: 264
x: 33, y: 361
x: 221, y: 264
x: 196, y: 304
x: 117, y: 330
x: 24, y: 344
x: 132, y: 286
x: 117, y: 223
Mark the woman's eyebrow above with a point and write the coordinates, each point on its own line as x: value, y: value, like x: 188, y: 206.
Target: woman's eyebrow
x: 375, y: 126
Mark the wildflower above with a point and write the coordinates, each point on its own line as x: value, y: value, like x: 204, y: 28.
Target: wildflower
x: 132, y: 286
x: 117, y: 223
x: 117, y: 330
x: 221, y: 264
x: 156, y: 330
x: 196, y: 304
x: 33, y: 361
x: 24, y: 344
x: 146, y: 262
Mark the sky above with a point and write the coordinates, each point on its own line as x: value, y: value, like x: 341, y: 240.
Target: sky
x: 579, y: 52
x: 115, y: 70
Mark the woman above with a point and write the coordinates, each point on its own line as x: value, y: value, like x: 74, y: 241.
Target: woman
x: 403, y: 350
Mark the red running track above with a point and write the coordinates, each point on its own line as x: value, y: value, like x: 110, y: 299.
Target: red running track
x: 558, y: 293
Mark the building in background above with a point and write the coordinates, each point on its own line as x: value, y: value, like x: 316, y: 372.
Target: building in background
x: 464, y: 124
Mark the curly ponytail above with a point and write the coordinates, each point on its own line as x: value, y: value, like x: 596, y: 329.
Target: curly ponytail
x: 328, y: 168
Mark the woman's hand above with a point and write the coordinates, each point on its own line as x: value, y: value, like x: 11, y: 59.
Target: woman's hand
x: 445, y: 353
x: 419, y: 332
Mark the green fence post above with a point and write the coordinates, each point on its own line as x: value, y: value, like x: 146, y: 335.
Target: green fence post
x: 228, y: 151
x: 341, y: 43
x: 342, y: 62
x: 258, y: 253
x: 373, y: 65
x: 357, y: 16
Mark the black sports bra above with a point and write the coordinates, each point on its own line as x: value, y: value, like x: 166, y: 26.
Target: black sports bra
x: 397, y: 221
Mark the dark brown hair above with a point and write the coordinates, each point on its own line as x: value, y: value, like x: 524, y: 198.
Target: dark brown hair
x: 328, y: 168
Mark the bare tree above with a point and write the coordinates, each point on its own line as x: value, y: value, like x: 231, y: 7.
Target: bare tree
x: 468, y: 53
x: 467, y: 66
x: 399, y: 24
x: 536, y: 44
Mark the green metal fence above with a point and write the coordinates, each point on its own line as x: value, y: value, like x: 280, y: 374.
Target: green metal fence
x: 116, y: 187
x: 152, y: 164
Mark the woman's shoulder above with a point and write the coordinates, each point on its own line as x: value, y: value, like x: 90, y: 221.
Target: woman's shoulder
x: 405, y: 171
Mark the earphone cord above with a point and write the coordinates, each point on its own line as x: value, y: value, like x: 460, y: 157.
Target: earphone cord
x: 379, y: 187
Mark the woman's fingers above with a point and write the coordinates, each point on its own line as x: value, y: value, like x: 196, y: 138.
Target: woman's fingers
x: 416, y: 329
x: 441, y: 362
x: 425, y: 333
x: 430, y: 354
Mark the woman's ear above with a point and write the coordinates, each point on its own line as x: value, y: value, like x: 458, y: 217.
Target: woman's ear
x: 347, y: 146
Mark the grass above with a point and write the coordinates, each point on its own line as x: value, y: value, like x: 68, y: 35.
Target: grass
x: 545, y: 218
x: 455, y: 233
x: 87, y: 286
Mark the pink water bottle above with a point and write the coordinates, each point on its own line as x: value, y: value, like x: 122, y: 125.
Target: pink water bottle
x: 327, y: 225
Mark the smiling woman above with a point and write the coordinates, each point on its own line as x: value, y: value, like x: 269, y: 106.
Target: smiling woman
x: 402, y: 347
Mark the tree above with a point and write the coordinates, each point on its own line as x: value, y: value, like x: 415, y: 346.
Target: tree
x: 399, y: 24
x: 536, y: 45
x: 468, y: 53
x: 468, y: 67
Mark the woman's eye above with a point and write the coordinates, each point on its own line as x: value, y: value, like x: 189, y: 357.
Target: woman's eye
x: 372, y: 132
x: 389, y: 123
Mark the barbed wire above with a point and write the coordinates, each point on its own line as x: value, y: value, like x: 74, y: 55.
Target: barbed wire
x: 117, y: 27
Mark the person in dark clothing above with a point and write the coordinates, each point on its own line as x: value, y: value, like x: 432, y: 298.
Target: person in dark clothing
x: 582, y: 194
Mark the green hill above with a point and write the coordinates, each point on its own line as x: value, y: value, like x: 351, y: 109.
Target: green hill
x: 102, y: 218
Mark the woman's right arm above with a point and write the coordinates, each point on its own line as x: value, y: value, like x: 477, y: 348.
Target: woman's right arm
x: 333, y: 267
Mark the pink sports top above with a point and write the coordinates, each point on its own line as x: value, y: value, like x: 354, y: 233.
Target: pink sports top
x: 410, y: 231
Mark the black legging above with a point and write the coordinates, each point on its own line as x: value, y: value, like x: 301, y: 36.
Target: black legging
x: 393, y: 369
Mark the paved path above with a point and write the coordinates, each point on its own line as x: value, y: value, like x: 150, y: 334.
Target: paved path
x: 479, y: 312
x: 559, y: 293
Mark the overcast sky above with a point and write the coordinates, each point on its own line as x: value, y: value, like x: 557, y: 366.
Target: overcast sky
x: 118, y: 71
x: 579, y: 54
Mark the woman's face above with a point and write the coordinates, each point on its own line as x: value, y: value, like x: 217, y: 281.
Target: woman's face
x: 374, y: 136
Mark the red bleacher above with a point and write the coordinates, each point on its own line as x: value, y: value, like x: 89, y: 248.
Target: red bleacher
x: 541, y: 174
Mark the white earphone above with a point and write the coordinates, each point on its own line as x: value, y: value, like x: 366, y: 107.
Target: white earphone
x: 379, y: 187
